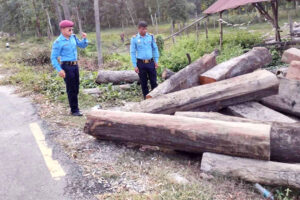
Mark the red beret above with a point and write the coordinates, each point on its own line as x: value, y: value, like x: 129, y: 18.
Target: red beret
x: 66, y: 23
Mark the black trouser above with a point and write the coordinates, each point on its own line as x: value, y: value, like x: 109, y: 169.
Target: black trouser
x: 147, y: 72
x: 72, y: 85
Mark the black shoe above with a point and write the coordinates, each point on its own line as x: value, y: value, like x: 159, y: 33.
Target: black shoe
x: 77, y: 114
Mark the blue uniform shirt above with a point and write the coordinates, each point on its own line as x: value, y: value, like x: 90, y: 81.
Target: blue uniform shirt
x: 144, y: 48
x: 66, y: 49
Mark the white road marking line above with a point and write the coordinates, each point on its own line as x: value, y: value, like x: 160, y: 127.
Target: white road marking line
x: 54, y: 167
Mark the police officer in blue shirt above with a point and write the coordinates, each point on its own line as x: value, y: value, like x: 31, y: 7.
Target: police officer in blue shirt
x: 65, y: 48
x: 144, y: 56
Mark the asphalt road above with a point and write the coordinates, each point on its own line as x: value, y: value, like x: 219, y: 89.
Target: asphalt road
x: 27, y: 169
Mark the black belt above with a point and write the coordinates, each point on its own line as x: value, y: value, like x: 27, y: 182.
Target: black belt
x: 71, y: 63
x: 146, y: 61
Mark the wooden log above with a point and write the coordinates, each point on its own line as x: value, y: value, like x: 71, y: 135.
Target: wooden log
x: 187, y: 77
x: 285, y: 137
x: 256, y: 171
x: 182, y: 133
x: 216, y: 116
x: 214, y: 96
x: 117, y: 77
x: 285, y: 142
x: 288, y: 99
x: 293, y: 72
x: 256, y: 111
x: 167, y: 73
x: 249, y: 62
x: 291, y: 55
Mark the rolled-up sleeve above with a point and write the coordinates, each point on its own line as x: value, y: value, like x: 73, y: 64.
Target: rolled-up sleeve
x: 56, y: 48
x: 133, y: 52
x: 82, y: 43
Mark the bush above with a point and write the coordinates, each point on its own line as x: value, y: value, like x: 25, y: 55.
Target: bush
x: 36, y: 56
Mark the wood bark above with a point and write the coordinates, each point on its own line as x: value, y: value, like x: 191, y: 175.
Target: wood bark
x: 98, y: 32
x: 117, y: 77
x: 285, y: 142
x: 256, y: 171
x: 216, y: 116
x: 182, y: 133
x: 78, y: 19
x: 66, y: 9
x: 58, y: 11
x: 249, y: 62
x: 288, y: 99
x: 187, y: 77
x: 215, y: 96
x: 167, y: 73
x: 256, y: 111
x: 285, y: 137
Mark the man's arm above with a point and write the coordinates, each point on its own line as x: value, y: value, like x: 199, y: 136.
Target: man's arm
x: 56, y: 48
x: 82, y: 43
x: 133, y: 52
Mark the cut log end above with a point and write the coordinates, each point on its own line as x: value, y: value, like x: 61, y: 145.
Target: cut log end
x: 206, y: 80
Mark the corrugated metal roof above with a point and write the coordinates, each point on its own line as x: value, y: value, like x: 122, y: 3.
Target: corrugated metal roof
x: 222, y: 5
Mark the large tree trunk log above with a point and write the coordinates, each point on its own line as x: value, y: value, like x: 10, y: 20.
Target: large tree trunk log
x: 256, y: 171
x: 214, y: 96
x: 256, y: 111
x: 285, y: 142
x: 117, y: 77
x: 182, y: 133
x: 187, y: 77
x: 216, y: 116
x: 167, y: 73
x: 288, y: 99
x: 291, y: 55
x: 249, y: 62
x: 285, y: 138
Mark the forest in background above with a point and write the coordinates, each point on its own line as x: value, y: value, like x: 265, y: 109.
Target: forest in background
x: 41, y: 17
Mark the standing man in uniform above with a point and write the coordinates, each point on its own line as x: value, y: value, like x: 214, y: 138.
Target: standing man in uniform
x: 144, y: 56
x: 65, y: 48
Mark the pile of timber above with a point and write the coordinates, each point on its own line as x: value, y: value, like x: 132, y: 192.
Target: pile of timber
x: 244, y: 121
x: 256, y: 58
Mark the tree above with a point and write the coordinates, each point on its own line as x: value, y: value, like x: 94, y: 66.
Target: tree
x: 98, y: 32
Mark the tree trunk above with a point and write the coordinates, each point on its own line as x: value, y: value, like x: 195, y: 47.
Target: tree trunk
x: 221, y: 30
x: 285, y: 142
x: 288, y: 98
x: 130, y: 13
x: 37, y: 21
x: 256, y: 171
x: 215, y: 116
x: 49, y: 22
x: 249, y: 62
x: 182, y: 133
x: 117, y: 77
x: 172, y: 31
x: 215, y: 96
x: 167, y: 73
x: 187, y: 77
x: 78, y: 19
x: 156, y: 24
x: 98, y: 32
x: 65, y: 6
x: 285, y: 137
x: 256, y: 111
x: 58, y: 11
